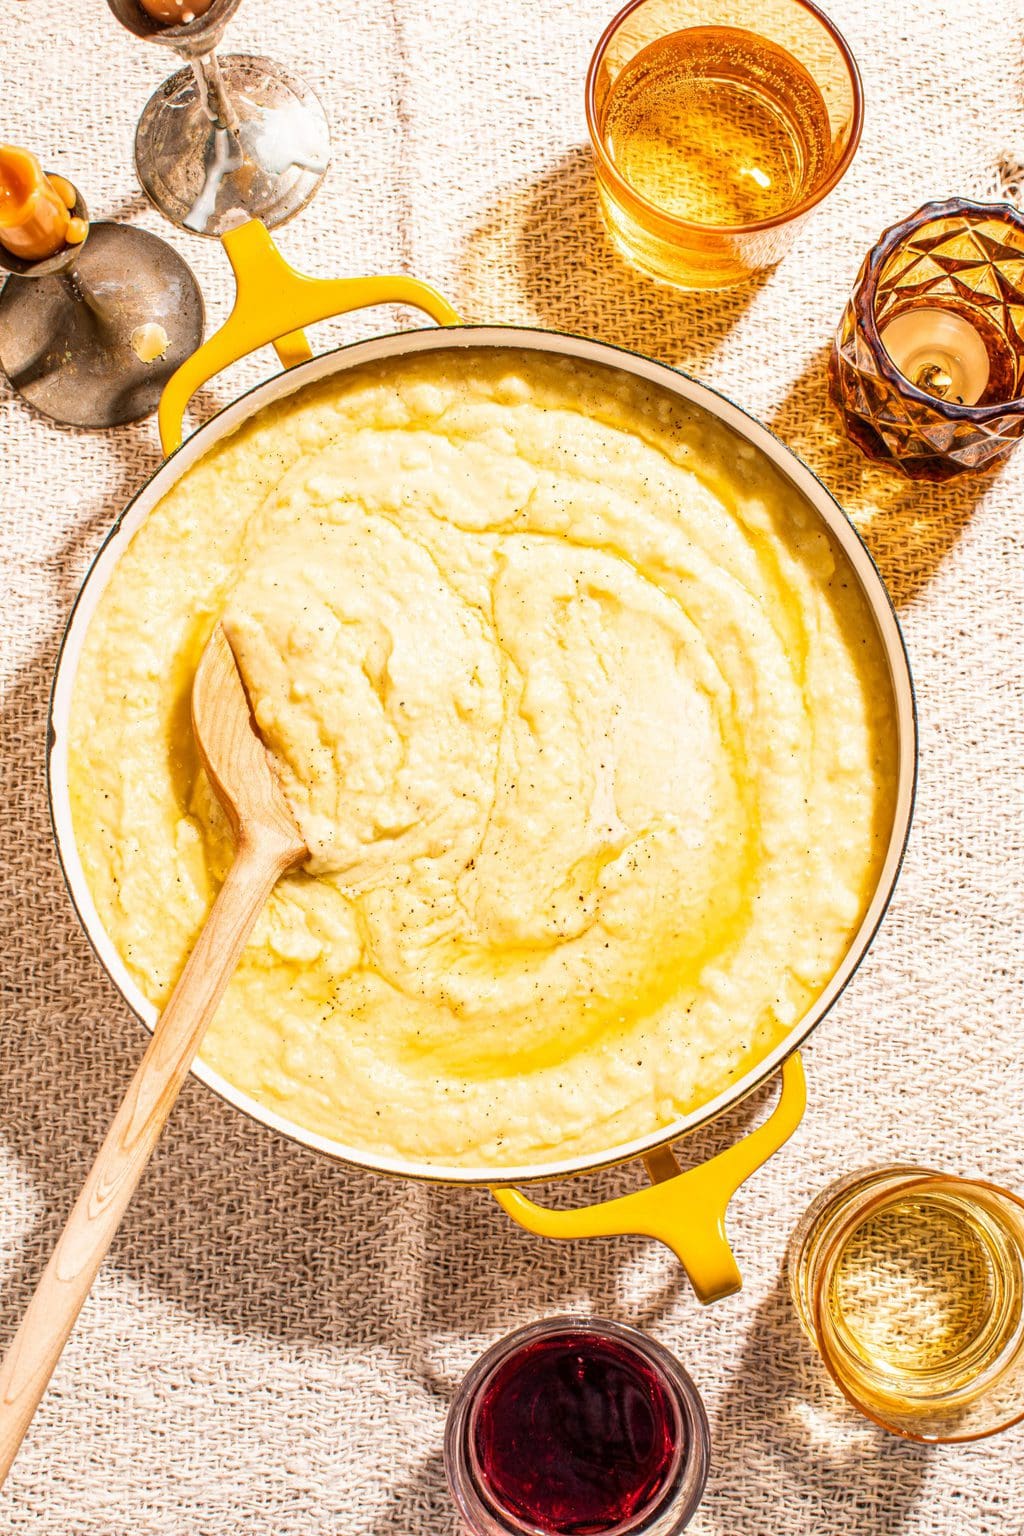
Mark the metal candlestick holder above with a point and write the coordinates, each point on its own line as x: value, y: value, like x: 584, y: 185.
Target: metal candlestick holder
x: 68, y: 324
x: 947, y: 284
x: 225, y: 139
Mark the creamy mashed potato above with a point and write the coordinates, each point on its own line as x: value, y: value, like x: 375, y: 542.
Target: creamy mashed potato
x: 584, y: 720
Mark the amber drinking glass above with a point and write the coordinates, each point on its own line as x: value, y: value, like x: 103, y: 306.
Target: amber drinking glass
x: 717, y: 126
x: 927, y: 368
x: 910, y: 1284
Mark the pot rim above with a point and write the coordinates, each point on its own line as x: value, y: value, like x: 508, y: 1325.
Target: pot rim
x: 560, y: 344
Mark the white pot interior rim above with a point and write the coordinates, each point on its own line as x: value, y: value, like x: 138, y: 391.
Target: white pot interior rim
x: 402, y: 343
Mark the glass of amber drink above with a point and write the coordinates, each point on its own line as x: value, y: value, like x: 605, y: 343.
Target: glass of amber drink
x: 910, y: 1284
x: 717, y: 126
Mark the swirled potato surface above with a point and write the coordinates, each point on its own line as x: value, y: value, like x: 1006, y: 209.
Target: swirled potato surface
x: 583, y: 716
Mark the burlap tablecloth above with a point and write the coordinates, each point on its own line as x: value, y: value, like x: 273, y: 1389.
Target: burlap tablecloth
x: 272, y: 1344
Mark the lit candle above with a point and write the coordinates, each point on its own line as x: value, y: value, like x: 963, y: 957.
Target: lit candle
x: 941, y: 352
x: 35, y: 217
x: 175, y: 13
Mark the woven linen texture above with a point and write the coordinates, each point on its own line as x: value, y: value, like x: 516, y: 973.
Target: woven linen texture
x: 273, y: 1341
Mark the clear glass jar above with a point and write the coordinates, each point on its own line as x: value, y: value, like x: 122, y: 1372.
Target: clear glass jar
x: 670, y: 1506
x: 910, y: 1285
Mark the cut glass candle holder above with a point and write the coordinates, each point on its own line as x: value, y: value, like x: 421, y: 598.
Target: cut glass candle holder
x: 927, y: 367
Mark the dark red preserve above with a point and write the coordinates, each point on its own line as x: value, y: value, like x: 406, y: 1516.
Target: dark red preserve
x: 576, y: 1427
x: 575, y: 1434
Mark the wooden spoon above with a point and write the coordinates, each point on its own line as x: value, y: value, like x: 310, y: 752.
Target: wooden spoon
x: 267, y: 843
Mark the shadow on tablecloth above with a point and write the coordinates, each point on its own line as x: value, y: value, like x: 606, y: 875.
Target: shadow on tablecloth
x: 542, y: 256
x: 909, y: 526
x: 790, y: 1454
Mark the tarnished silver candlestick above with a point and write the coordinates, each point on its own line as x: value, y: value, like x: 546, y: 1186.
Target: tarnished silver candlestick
x: 77, y: 328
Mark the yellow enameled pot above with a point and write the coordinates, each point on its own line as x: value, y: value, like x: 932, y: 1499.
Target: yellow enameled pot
x: 685, y: 1210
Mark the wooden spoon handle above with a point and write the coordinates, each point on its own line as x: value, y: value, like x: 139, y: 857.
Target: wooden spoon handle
x: 121, y: 1161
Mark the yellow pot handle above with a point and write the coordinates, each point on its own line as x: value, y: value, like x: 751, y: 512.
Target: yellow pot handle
x: 272, y: 303
x: 686, y: 1211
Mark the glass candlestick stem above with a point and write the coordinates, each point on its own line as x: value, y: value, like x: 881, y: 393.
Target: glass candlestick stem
x: 228, y: 138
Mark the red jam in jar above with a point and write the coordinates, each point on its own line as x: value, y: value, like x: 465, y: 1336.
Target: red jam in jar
x: 575, y: 1434
x: 576, y: 1427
